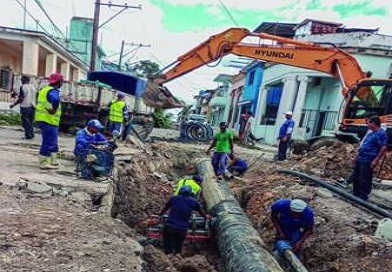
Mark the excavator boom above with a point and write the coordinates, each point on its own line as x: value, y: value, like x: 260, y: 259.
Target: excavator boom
x: 327, y: 59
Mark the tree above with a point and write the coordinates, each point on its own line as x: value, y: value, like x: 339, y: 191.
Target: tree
x: 184, y: 113
x: 144, y: 68
x: 161, y: 120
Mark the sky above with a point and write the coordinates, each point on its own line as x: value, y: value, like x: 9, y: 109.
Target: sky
x: 172, y: 27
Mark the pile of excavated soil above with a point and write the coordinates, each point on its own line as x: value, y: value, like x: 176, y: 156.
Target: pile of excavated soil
x: 335, y: 161
x: 343, y: 238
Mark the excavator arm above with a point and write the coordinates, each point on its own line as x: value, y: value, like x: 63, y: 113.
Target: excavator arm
x: 266, y: 47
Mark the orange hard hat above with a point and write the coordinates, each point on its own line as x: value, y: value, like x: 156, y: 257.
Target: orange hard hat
x: 55, y: 77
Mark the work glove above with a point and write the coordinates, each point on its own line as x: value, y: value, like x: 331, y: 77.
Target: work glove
x: 283, y: 245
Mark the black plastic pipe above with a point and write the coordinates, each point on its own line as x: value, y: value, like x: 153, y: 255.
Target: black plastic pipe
x: 344, y: 193
x: 239, y: 244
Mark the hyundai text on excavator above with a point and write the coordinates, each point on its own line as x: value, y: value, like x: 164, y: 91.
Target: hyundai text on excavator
x: 363, y: 95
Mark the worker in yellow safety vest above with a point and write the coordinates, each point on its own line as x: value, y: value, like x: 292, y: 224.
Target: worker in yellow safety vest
x: 118, y: 114
x: 47, y: 116
x: 193, y: 182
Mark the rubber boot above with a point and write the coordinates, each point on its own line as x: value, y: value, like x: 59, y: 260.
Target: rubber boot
x: 53, y: 159
x: 44, y: 163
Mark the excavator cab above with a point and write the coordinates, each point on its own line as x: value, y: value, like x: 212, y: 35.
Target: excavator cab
x: 368, y: 97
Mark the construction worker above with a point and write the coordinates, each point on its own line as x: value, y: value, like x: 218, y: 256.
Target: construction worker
x: 47, y: 116
x: 93, y: 151
x: 223, y: 144
x: 243, y: 121
x: 370, y: 152
x: 285, y: 132
x: 249, y: 126
x: 193, y: 182
x: 27, y: 100
x: 237, y: 165
x: 293, y: 221
x: 118, y: 113
x: 89, y: 136
x: 177, y: 223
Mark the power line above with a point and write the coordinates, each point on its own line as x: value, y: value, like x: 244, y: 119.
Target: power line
x: 55, y: 27
x: 36, y: 20
x: 228, y: 12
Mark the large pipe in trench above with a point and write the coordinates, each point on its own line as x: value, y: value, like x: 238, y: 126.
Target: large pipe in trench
x: 341, y: 192
x: 239, y: 243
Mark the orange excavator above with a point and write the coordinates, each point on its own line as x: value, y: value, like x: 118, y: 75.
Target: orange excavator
x: 363, y: 95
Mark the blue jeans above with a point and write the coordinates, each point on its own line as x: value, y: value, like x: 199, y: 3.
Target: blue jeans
x: 115, y: 128
x: 282, y: 151
x: 27, y: 118
x: 219, y: 160
x: 238, y: 169
x: 102, y: 166
x: 49, y: 141
x: 362, y: 179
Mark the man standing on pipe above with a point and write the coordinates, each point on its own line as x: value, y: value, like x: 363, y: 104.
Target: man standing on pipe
x: 371, y: 150
x: 223, y: 144
x: 177, y: 223
x: 293, y: 221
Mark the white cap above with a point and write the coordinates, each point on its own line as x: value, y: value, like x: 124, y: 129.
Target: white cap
x: 298, y: 205
x: 289, y: 113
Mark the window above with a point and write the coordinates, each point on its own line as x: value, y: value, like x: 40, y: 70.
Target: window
x: 370, y: 100
x: 272, y: 106
x: 5, y: 79
x: 251, y: 77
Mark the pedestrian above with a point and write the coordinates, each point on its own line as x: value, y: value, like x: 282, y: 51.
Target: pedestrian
x: 193, y: 182
x: 370, y: 152
x: 243, y: 121
x: 285, y: 133
x: 118, y: 113
x: 47, y: 116
x: 293, y: 221
x: 223, y: 145
x: 237, y: 165
x: 27, y: 100
x: 177, y: 223
x: 249, y: 127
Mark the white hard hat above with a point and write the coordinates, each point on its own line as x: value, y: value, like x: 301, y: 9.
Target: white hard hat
x: 298, y: 205
x: 289, y: 113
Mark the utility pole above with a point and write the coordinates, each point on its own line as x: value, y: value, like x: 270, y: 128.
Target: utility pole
x: 24, y: 14
x: 121, y: 54
x: 123, y: 43
x: 94, y: 43
x: 96, y: 26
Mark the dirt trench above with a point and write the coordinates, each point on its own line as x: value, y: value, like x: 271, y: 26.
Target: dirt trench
x: 144, y: 185
x: 343, y: 239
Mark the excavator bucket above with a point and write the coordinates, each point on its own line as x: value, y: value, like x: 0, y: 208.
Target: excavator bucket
x: 160, y: 97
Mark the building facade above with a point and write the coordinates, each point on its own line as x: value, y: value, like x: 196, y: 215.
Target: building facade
x: 36, y: 54
x: 315, y: 98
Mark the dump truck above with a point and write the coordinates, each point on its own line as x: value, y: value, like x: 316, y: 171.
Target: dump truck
x: 88, y: 99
